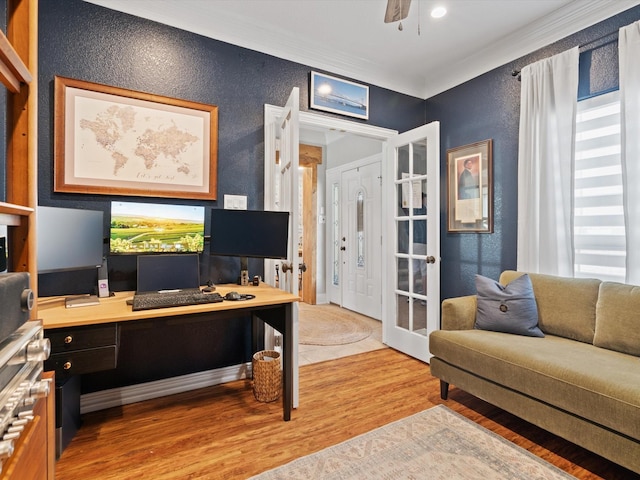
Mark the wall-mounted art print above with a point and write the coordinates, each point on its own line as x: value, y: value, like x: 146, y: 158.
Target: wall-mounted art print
x: 336, y: 95
x: 111, y: 140
x: 470, y: 188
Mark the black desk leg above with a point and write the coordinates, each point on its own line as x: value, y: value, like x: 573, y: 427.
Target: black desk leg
x: 274, y: 317
x: 287, y: 364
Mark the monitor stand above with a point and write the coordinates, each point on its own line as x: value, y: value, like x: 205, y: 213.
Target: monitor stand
x: 244, y: 271
x: 81, y: 301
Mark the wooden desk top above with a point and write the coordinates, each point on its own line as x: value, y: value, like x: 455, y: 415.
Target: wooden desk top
x: 115, y: 309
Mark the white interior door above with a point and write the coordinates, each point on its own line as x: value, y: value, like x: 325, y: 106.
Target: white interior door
x: 284, y: 190
x: 361, y: 240
x: 411, y: 303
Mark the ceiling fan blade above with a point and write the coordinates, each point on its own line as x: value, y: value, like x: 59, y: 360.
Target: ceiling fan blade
x: 396, y: 10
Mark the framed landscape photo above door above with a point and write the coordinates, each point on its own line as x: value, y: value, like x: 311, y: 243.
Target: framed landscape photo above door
x: 111, y: 140
x: 470, y: 188
x: 336, y: 95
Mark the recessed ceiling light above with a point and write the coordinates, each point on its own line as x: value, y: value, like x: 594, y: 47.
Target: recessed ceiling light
x: 438, y: 12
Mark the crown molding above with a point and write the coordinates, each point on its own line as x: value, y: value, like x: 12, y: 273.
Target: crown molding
x: 276, y: 41
x: 566, y: 21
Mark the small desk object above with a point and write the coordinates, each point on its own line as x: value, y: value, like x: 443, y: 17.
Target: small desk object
x: 271, y: 305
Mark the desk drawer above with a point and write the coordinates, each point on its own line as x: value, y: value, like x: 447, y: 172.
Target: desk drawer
x: 78, y: 338
x: 82, y: 361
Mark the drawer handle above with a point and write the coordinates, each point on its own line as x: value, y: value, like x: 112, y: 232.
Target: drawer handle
x: 67, y: 365
x: 68, y: 339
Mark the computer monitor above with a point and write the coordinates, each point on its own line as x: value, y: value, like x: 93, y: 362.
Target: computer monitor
x: 68, y: 239
x: 143, y: 228
x: 249, y: 233
x: 167, y: 272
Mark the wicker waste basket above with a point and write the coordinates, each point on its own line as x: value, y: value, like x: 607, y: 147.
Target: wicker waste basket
x: 267, y: 376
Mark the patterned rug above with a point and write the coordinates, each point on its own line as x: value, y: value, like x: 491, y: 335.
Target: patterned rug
x: 434, y: 444
x: 330, y: 325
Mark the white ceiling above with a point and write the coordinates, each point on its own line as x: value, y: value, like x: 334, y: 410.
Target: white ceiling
x: 349, y: 37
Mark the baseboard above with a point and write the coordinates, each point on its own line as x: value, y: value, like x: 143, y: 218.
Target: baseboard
x: 115, y: 397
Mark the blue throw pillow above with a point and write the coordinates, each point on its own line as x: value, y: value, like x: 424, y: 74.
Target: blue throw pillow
x: 507, y: 309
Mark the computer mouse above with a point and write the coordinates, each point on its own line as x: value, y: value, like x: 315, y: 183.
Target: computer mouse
x: 209, y: 289
x: 232, y: 296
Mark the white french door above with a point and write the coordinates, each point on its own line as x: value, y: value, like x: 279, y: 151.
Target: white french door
x: 283, y: 193
x: 411, y: 166
x: 411, y: 303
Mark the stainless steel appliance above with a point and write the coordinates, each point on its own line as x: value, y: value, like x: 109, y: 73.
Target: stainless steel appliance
x: 22, y: 353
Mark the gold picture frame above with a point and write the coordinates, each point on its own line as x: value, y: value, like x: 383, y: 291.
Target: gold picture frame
x: 114, y: 141
x: 470, y: 188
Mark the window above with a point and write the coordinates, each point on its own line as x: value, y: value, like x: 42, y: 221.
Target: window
x: 599, y: 231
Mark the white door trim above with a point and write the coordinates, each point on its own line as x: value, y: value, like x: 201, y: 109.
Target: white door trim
x: 307, y: 120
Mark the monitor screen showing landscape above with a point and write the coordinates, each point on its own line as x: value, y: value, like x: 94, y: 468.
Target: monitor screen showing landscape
x: 138, y: 228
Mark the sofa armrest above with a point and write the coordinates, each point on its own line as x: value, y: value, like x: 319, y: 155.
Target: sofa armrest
x: 459, y: 313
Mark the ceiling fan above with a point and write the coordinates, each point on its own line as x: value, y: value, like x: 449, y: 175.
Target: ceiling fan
x: 397, y: 10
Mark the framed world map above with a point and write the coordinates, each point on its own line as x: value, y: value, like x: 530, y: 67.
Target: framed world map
x: 110, y: 140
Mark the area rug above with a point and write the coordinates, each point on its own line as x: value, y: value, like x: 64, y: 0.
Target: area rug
x: 330, y: 325
x: 434, y: 444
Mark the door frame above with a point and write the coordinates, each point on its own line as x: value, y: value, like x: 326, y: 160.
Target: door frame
x: 312, y: 121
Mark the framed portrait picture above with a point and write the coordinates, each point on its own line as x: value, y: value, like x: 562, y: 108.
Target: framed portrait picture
x: 110, y: 140
x: 336, y: 95
x: 470, y: 188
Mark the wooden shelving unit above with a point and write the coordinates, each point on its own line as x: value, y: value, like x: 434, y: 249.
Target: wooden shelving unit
x: 18, y: 69
x: 34, y: 455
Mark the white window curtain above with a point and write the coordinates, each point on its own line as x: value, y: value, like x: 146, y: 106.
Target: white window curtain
x: 548, y: 103
x: 629, y: 53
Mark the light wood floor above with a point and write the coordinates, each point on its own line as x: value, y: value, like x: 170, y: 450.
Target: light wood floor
x: 222, y: 432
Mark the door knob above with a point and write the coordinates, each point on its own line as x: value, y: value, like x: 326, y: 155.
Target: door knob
x: 431, y: 259
x: 343, y: 248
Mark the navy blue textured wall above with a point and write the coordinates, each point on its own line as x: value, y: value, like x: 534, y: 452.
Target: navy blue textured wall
x: 488, y: 107
x: 87, y: 42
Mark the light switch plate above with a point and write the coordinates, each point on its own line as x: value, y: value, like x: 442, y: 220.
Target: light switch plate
x: 235, y: 202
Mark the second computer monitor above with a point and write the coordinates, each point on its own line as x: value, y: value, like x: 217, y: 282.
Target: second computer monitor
x: 249, y: 233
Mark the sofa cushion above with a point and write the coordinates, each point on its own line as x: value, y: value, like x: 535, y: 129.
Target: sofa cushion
x: 594, y: 383
x: 507, y: 309
x: 566, y: 306
x: 618, y: 318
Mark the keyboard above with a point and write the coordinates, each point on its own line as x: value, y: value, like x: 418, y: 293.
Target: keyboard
x: 150, y: 301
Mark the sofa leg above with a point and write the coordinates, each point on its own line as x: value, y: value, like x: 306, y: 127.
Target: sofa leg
x: 444, y: 390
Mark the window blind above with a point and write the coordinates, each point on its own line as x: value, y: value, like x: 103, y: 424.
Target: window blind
x: 599, y: 232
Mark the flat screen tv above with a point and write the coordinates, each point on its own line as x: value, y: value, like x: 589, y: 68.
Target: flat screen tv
x: 143, y: 228
x: 249, y: 233
x: 68, y: 239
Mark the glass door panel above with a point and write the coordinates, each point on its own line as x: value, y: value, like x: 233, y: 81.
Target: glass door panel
x: 415, y: 306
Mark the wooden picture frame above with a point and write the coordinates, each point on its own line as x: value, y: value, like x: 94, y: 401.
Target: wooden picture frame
x: 470, y: 188
x: 336, y: 95
x: 114, y: 141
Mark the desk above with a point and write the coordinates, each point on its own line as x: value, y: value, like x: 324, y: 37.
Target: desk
x: 271, y: 305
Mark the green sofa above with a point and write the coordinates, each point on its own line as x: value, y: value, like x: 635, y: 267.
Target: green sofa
x: 581, y: 381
